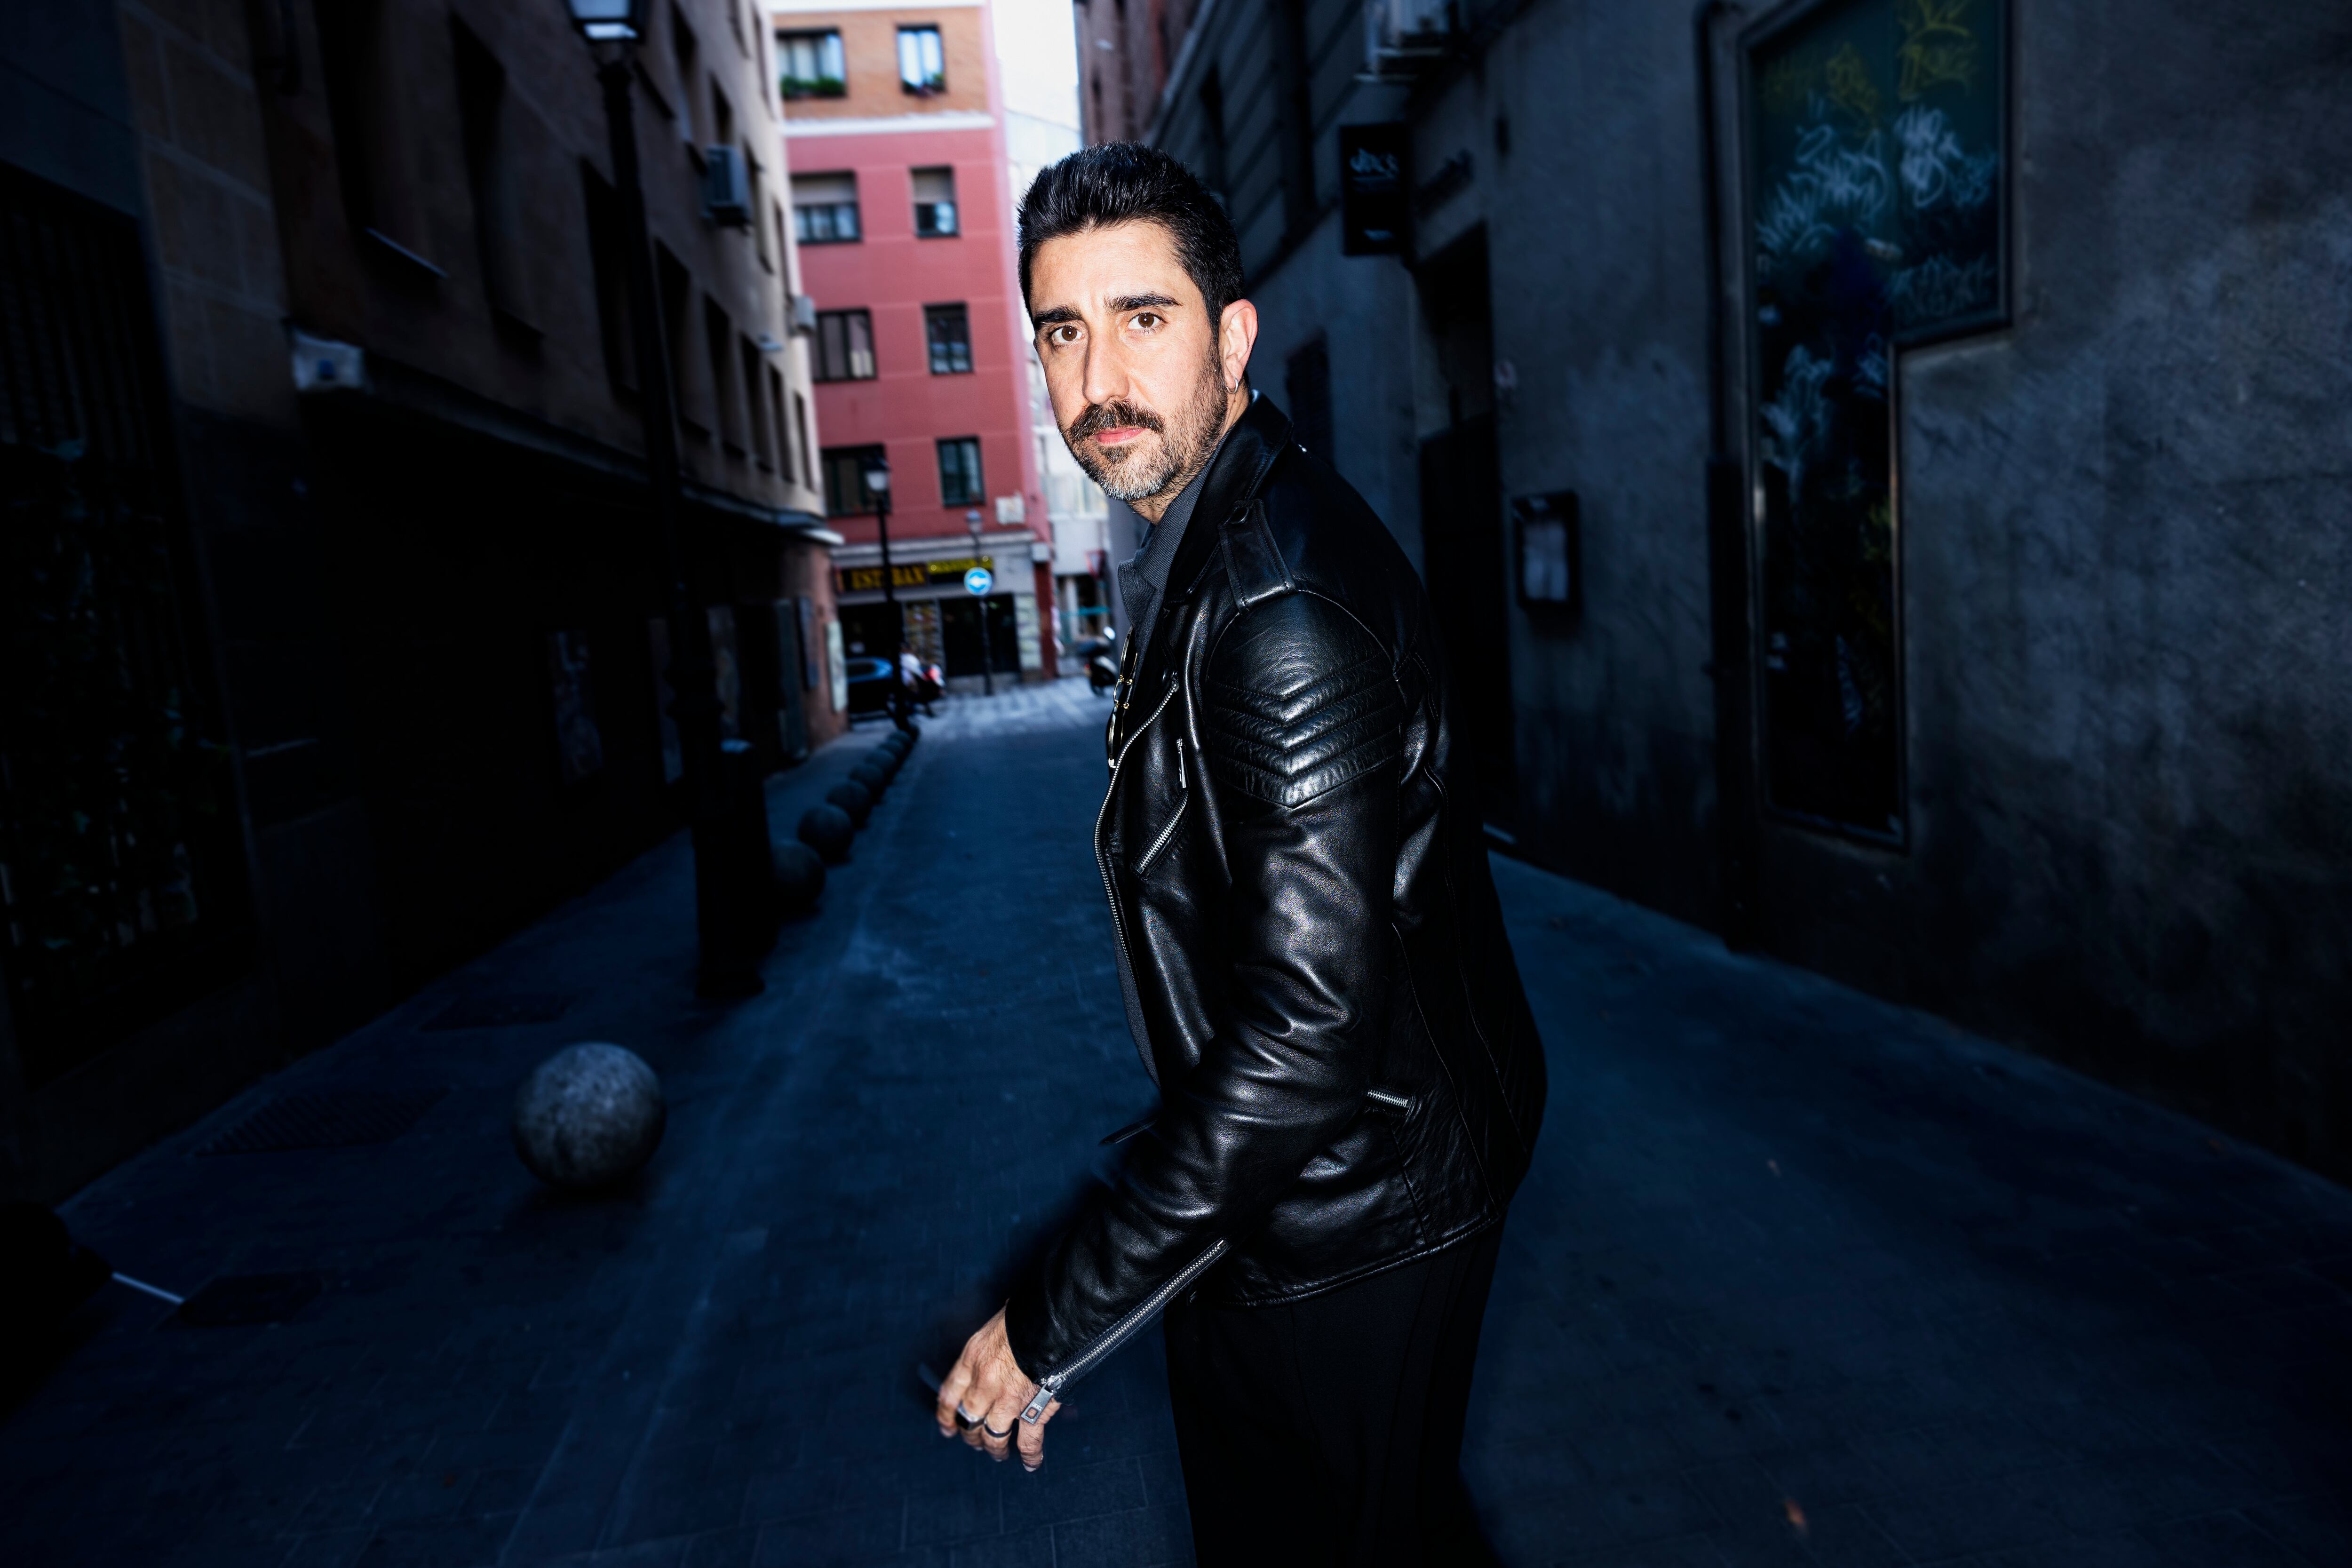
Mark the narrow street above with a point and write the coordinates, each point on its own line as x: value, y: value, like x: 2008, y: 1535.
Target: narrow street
x: 1799, y: 1278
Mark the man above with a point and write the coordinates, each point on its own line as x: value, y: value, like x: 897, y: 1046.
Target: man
x: 1313, y: 961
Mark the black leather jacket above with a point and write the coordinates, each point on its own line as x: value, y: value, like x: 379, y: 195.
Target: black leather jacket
x: 1314, y: 962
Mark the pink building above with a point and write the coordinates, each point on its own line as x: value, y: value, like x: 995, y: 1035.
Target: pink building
x: 920, y: 346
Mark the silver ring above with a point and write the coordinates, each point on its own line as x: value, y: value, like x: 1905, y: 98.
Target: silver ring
x: 966, y: 1416
x: 992, y: 1432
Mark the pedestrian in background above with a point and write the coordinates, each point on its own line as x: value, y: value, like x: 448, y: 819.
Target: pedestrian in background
x: 1311, y: 953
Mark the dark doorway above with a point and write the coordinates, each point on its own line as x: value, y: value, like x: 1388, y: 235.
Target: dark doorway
x: 870, y: 631
x: 963, y: 621
x: 1462, y: 518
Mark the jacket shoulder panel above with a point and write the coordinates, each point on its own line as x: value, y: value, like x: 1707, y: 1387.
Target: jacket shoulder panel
x: 1297, y: 699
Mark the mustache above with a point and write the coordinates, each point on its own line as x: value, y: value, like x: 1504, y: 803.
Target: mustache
x: 1101, y: 416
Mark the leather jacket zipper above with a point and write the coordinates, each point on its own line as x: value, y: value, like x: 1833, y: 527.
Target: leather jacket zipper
x: 1118, y: 1334
x: 1102, y: 860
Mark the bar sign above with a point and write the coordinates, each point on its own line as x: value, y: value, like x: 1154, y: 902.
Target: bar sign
x: 1372, y: 189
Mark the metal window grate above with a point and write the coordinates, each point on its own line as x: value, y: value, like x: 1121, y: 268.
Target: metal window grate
x: 338, y: 1119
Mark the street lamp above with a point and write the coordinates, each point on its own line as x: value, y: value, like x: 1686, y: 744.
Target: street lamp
x: 876, y: 476
x: 723, y: 913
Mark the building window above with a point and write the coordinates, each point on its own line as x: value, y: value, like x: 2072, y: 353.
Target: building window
x: 486, y: 127
x: 922, y: 64
x: 801, y: 436
x: 935, y: 202
x: 845, y: 494
x: 726, y: 397
x: 949, y: 330
x: 686, y: 68
x: 824, y: 208
x: 844, y: 345
x: 778, y: 409
x: 609, y: 255
x: 960, y: 471
x: 809, y: 64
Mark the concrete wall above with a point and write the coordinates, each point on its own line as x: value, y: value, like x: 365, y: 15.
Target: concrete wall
x: 2127, y: 572
x: 1580, y: 129
x: 2123, y: 561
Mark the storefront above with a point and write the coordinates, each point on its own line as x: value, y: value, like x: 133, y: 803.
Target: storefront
x: 967, y: 634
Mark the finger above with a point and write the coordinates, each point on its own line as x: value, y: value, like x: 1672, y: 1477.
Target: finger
x: 998, y: 1428
x: 954, y: 1388
x: 1031, y: 1438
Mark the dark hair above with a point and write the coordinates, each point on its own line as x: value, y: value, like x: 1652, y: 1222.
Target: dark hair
x: 1125, y: 182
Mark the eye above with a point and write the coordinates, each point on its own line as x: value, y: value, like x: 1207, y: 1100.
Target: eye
x: 1062, y: 333
x: 1146, y: 321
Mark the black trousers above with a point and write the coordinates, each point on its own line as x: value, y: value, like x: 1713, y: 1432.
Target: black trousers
x: 1328, y: 1432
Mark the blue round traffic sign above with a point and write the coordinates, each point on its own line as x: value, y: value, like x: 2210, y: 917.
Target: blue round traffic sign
x: 979, y: 580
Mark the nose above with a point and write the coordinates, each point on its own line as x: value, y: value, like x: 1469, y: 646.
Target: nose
x: 1105, y: 376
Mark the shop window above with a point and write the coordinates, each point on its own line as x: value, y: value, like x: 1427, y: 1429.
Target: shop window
x: 844, y: 345
x: 935, y: 203
x: 922, y: 63
x: 824, y: 208
x: 949, y: 330
x: 960, y: 483
x: 810, y: 64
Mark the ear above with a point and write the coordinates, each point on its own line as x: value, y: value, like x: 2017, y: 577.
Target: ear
x: 1237, y: 335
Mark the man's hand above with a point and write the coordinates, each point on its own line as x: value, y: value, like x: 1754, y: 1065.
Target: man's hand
x: 983, y: 1394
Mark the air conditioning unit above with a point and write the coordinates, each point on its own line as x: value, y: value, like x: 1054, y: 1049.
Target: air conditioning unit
x: 726, y: 187
x: 804, y: 315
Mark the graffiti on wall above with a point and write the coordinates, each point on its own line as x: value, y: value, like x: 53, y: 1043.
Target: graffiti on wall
x: 1876, y: 153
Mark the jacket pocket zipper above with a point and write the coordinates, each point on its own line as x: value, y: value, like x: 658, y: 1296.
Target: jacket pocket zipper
x: 1116, y: 1334
x: 1144, y: 866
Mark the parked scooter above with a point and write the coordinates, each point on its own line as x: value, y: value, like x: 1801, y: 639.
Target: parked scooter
x: 1102, y: 666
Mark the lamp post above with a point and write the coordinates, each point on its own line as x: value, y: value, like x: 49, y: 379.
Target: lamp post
x: 729, y: 965
x: 876, y: 476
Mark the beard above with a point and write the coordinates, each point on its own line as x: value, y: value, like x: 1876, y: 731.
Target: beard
x: 1135, y: 472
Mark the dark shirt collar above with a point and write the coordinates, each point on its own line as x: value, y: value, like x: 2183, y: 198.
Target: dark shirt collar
x: 1143, y: 582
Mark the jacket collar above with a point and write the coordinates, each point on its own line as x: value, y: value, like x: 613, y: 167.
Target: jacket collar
x: 1235, y: 478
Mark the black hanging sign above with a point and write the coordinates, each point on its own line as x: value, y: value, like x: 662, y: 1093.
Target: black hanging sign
x: 1372, y: 189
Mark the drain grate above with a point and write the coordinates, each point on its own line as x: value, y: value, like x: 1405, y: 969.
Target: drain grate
x: 500, y: 1011
x: 249, y: 1298
x: 340, y: 1119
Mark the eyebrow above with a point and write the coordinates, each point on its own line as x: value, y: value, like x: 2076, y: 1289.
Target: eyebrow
x: 1054, y: 316
x: 1126, y: 302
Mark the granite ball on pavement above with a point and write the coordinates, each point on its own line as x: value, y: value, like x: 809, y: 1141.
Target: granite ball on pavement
x: 874, y: 779
x: 827, y: 830
x: 589, y: 1116
x: 798, y: 872
x: 854, y: 798
x: 884, y: 758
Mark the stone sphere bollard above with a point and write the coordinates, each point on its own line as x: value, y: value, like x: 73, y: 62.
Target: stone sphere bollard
x: 896, y: 741
x: 589, y: 1116
x: 877, y: 782
x: 827, y: 830
x: 798, y: 872
x: 854, y: 798
x: 885, y: 758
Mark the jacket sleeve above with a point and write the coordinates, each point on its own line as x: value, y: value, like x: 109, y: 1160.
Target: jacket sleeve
x: 1301, y: 730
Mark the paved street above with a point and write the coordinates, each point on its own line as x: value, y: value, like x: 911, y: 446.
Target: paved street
x: 1799, y: 1278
